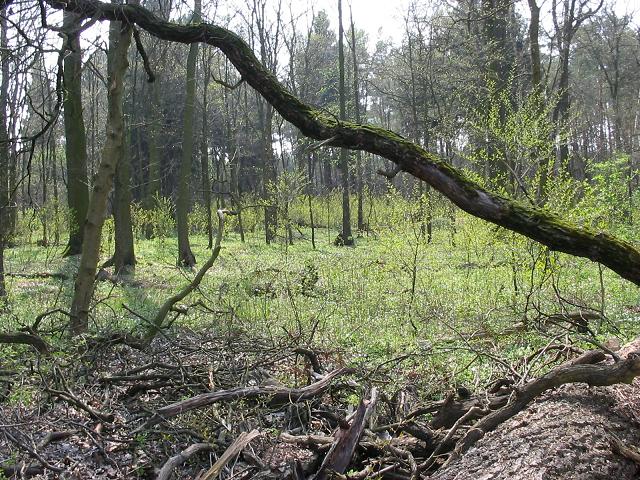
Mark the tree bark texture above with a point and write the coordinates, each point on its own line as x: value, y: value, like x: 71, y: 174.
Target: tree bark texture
x: 75, y: 137
x: 536, y: 223
x: 113, y: 151
x: 186, y: 258
x: 346, y: 238
x: 4, y: 150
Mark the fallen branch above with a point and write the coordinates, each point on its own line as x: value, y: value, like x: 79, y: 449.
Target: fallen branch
x: 594, y: 375
x: 167, y: 469
x: 630, y: 453
x: 234, y: 449
x: 26, y: 339
x: 168, y: 305
x: 277, y: 396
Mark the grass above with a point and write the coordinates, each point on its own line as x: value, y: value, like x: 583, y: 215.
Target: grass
x: 357, y: 300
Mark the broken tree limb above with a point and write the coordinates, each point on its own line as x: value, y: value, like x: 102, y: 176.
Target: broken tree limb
x: 163, y: 311
x: 26, y: 339
x: 346, y: 440
x: 536, y: 223
x: 276, y: 396
x: 234, y: 449
x: 166, y: 471
x: 594, y: 375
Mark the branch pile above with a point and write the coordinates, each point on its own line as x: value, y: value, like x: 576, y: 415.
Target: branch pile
x: 230, y: 406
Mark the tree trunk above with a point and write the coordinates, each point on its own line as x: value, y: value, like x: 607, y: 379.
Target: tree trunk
x: 119, y: 40
x: 204, y: 157
x: 4, y: 148
x: 185, y: 255
x: 124, y: 258
x: 154, y: 121
x: 345, y: 237
x: 356, y: 107
x: 76, y: 142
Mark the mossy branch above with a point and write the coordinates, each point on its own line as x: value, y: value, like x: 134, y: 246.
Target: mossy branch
x: 537, y: 224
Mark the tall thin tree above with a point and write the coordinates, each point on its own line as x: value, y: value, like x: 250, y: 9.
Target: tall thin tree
x: 345, y: 237
x: 186, y: 258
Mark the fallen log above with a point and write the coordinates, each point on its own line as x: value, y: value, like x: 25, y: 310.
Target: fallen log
x: 276, y: 396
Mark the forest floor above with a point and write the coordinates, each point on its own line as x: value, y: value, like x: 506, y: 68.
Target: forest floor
x: 421, y: 323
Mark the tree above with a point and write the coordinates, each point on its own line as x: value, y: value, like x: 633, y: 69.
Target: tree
x: 572, y: 15
x: 75, y: 136
x: 186, y: 258
x: 124, y: 258
x: 345, y: 237
x: 358, y: 119
x: 4, y: 147
x: 119, y: 40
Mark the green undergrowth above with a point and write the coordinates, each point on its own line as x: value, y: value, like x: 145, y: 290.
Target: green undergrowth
x: 480, y: 293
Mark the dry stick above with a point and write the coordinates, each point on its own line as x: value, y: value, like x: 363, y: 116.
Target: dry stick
x: 167, y: 469
x: 234, y: 449
x: 594, y: 375
x: 339, y: 456
x: 171, y: 301
x: 277, y: 396
x: 473, y: 411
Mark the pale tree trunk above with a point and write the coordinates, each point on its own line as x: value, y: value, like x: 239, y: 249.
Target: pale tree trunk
x: 4, y: 149
x: 185, y: 255
x: 345, y: 238
x: 76, y: 142
x: 119, y: 40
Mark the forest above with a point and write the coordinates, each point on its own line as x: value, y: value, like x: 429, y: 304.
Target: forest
x: 259, y: 239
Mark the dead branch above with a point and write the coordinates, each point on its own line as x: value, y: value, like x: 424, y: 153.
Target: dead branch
x: 151, y: 77
x: 617, y: 446
x: 166, y: 471
x: 26, y: 339
x: 276, y: 397
x: 594, y: 375
x: 164, y: 310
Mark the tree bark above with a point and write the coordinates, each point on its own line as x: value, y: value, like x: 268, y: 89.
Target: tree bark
x: 204, y: 159
x: 75, y: 137
x: 346, y: 237
x: 537, y: 224
x: 124, y: 257
x: 186, y: 258
x: 113, y: 150
x: 4, y: 148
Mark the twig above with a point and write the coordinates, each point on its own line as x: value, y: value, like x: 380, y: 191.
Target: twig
x: 167, y: 469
